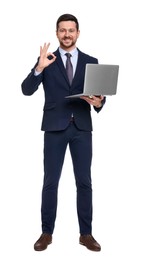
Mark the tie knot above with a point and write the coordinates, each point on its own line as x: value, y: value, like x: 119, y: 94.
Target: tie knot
x: 68, y: 54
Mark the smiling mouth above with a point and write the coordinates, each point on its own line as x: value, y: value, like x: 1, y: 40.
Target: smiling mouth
x: 67, y: 39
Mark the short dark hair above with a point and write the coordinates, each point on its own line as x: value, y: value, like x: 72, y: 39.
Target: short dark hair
x: 67, y: 17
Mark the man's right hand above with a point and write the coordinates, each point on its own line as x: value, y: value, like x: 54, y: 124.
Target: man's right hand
x: 43, y: 60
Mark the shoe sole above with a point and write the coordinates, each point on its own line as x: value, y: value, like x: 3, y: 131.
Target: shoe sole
x: 36, y: 249
x: 96, y: 250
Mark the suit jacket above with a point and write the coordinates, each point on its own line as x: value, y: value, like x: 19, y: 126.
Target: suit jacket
x: 57, y: 109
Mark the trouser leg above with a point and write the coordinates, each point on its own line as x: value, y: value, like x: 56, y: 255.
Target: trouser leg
x: 81, y: 152
x: 54, y: 151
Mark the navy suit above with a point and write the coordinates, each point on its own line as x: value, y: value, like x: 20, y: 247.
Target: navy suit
x: 59, y: 132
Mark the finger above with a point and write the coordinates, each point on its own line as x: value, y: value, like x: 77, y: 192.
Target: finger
x: 52, y: 60
x: 100, y: 97
x: 89, y: 100
x: 44, y: 49
x: 49, y: 54
x: 85, y: 98
x: 41, y: 50
x: 52, y: 55
x: 46, y: 45
x: 97, y: 98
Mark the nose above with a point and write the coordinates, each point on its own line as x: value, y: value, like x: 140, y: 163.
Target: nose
x: 66, y: 32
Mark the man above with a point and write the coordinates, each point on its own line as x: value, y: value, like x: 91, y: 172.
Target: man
x: 65, y: 122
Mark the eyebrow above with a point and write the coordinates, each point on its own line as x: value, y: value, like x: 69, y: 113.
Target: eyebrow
x: 62, y: 28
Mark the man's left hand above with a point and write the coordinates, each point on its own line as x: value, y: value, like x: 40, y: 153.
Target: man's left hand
x: 94, y: 100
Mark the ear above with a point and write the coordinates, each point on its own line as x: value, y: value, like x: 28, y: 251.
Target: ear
x: 78, y: 33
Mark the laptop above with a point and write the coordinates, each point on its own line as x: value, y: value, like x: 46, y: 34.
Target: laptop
x: 100, y: 79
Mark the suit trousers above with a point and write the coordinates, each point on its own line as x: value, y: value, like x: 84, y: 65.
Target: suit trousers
x: 80, y: 145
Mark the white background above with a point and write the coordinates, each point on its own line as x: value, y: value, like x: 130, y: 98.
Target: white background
x: 110, y: 31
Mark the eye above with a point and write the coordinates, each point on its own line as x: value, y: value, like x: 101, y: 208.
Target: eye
x: 71, y: 30
x: 61, y: 30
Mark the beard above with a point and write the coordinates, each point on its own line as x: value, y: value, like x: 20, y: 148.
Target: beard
x: 67, y: 42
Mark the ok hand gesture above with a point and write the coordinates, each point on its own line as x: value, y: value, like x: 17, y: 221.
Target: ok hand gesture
x: 43, y: 60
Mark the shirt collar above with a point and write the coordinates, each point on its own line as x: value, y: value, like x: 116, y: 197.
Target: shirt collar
x: 73, y: 52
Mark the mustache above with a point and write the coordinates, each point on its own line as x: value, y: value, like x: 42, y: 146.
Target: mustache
x: 67, y: 38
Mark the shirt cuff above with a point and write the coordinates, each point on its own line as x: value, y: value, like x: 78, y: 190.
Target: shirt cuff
x: 36, y: 73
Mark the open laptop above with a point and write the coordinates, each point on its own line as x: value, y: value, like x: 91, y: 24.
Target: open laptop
x: 100, y: 79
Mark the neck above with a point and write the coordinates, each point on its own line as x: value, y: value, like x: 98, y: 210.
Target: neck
x: 68, y: 49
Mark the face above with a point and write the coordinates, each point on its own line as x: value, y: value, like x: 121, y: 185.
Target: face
x: 67, y: 35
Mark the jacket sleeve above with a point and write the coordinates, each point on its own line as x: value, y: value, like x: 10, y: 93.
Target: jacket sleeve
x: 31, y: 83
x: 98, y: 109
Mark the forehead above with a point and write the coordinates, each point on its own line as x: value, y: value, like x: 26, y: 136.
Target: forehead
x: 67, y: 24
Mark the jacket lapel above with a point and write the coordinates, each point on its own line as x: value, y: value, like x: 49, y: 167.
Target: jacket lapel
x: 61, y: 65
x: 81, y: 62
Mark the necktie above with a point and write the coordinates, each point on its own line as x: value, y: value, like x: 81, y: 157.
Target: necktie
x: 69, y: 67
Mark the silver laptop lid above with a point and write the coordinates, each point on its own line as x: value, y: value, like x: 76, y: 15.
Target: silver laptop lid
x: 100, y: 79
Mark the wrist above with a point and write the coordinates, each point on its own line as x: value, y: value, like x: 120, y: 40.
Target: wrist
x: 39, y: 69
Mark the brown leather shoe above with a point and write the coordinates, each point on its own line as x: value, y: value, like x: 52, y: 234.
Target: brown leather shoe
x: 89, y: 242
x: 42, y: 243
